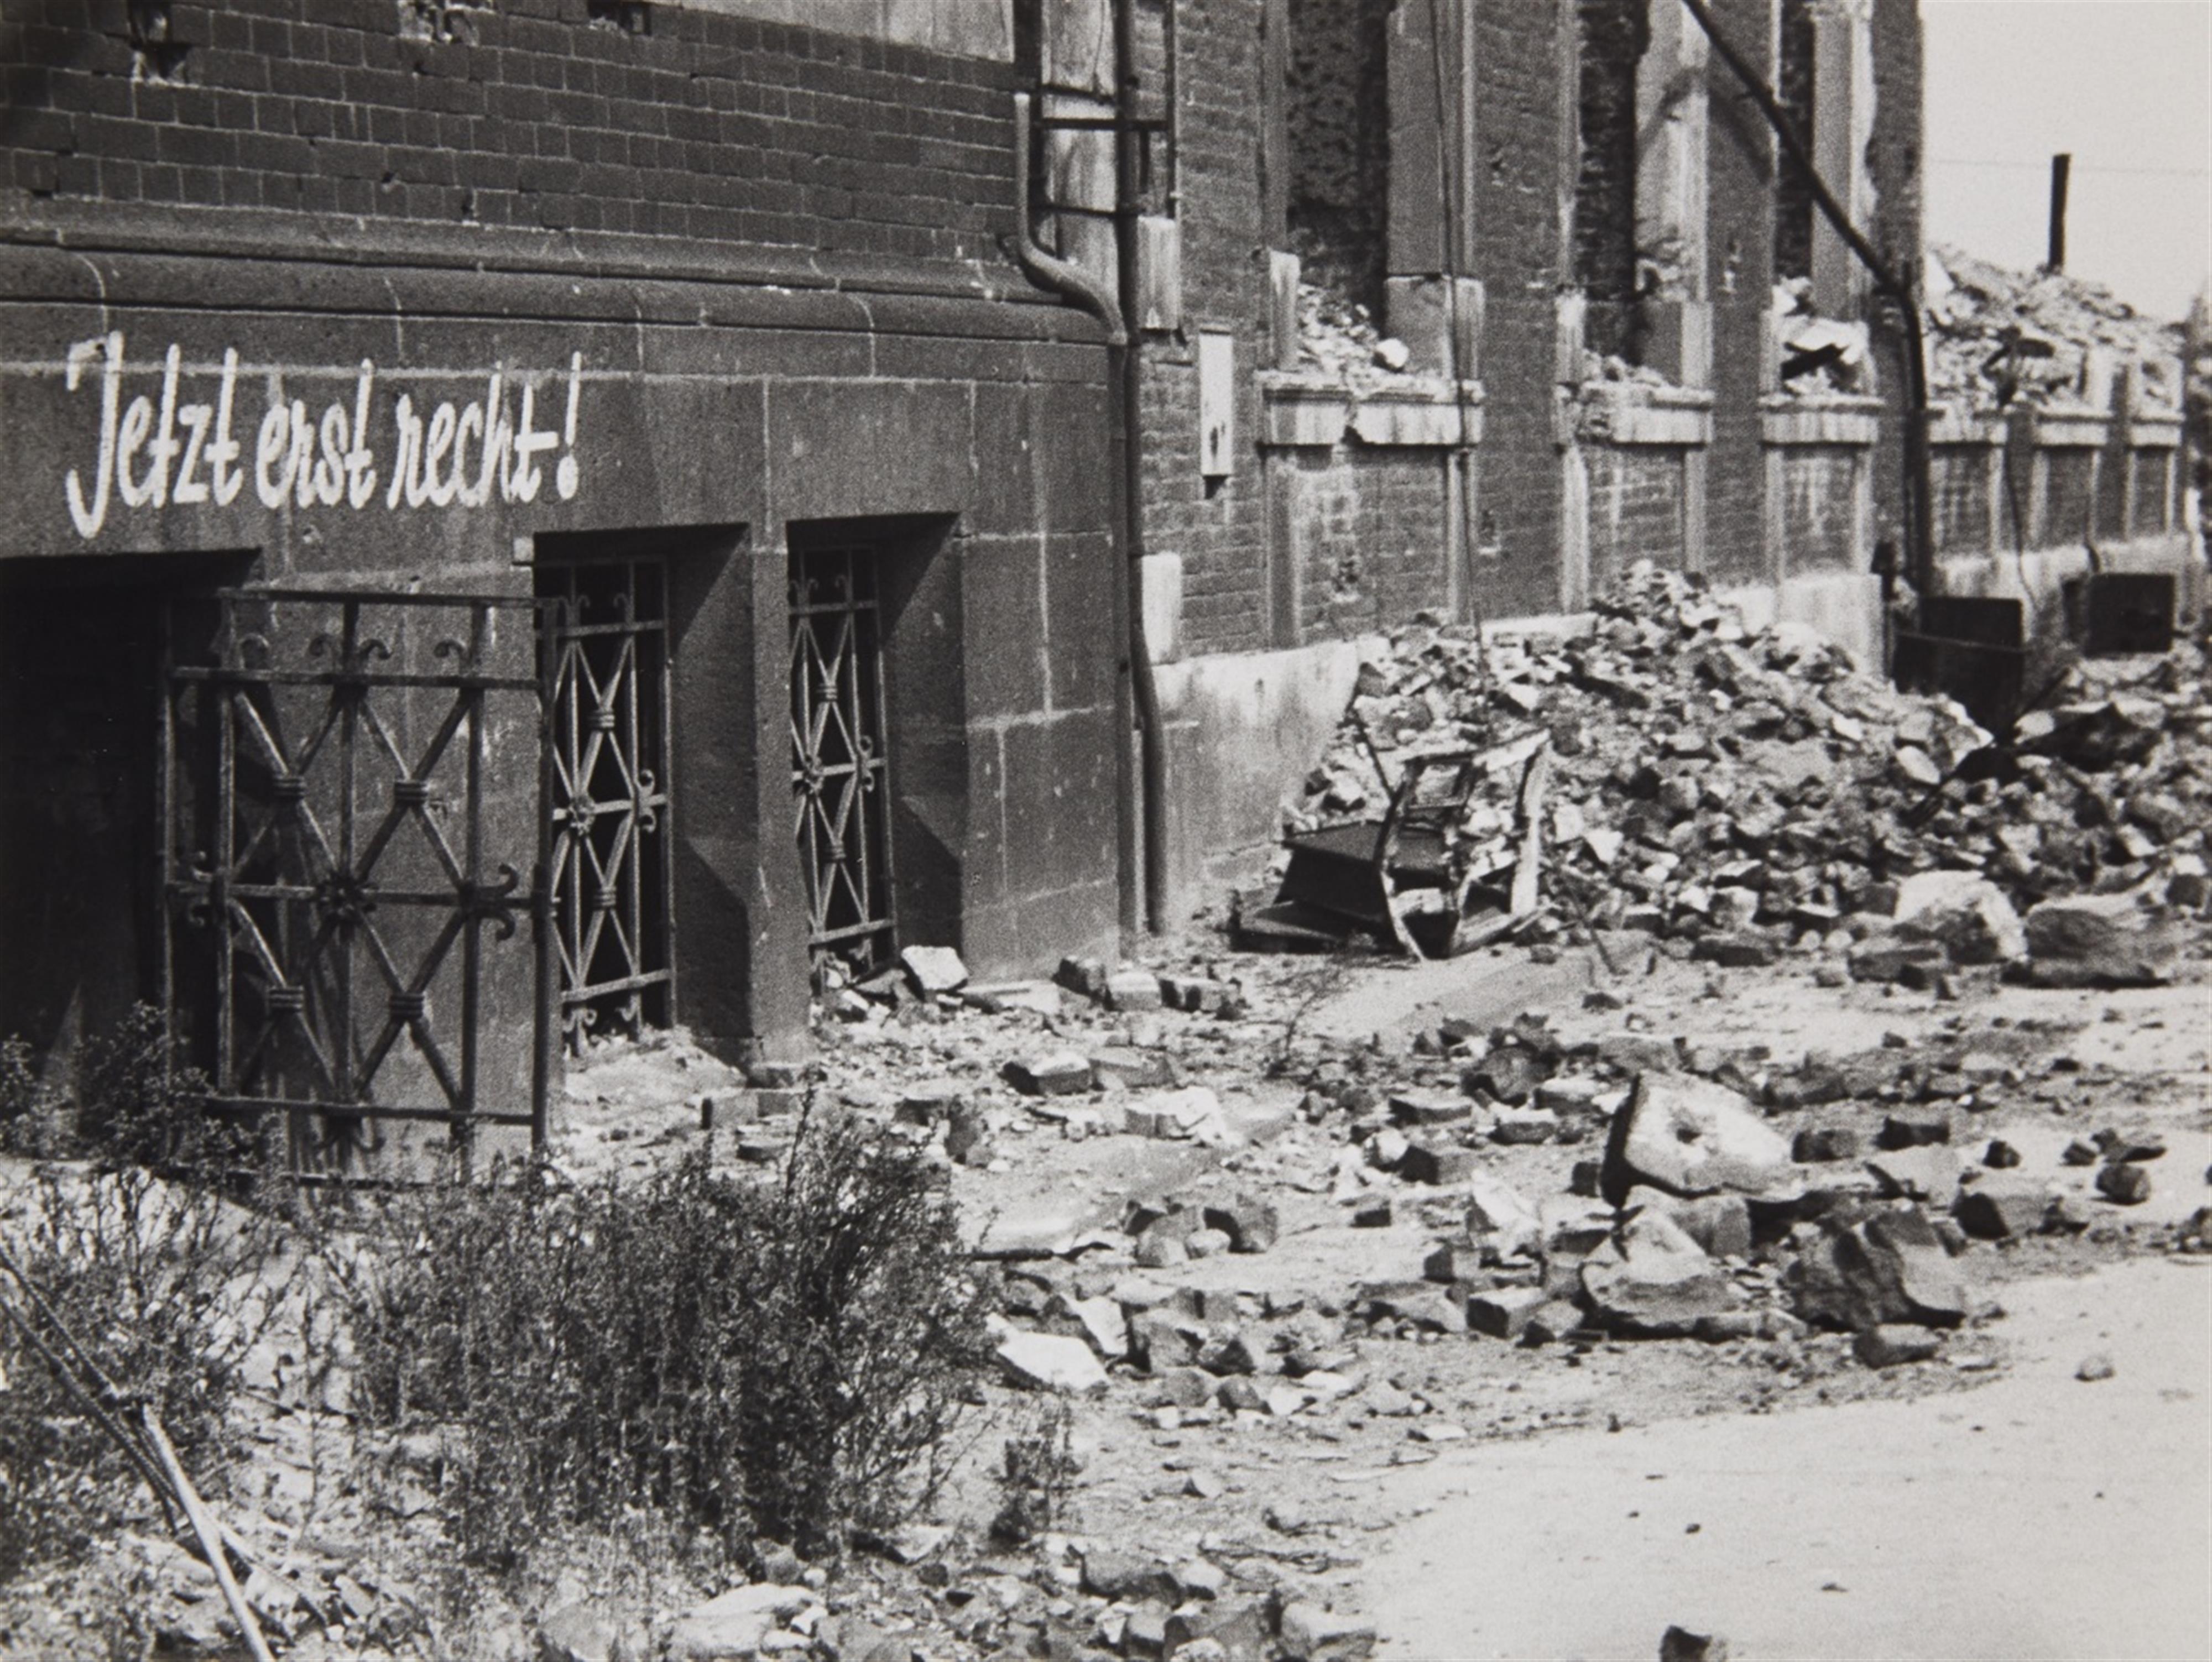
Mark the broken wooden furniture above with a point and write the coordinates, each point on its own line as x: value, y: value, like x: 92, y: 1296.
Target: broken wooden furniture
x: 1414, y: 880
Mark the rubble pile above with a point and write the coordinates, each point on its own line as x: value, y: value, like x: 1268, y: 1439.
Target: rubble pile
x: 1995, y: 335
x: 1751, y: 792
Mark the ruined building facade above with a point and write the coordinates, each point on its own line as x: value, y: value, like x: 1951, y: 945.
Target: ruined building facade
x: 1627, y: 334
x: 543, y: 516
x: 380, y: 374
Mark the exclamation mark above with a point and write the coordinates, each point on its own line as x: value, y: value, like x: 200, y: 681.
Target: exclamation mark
x: 565, y: 477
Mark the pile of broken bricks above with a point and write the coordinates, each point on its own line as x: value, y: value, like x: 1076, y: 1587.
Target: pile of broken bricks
x: 1750, y: 791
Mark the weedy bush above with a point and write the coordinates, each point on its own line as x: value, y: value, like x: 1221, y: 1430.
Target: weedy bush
x: 164, y: 1283
x: 31, y: 1121
x: 783, y: 1358
x: 1036, y: 1475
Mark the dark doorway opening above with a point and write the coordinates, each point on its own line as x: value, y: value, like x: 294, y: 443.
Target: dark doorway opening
x: 81, y: 648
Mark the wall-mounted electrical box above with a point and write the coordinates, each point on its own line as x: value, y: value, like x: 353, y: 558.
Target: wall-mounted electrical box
x: 1217, y: 402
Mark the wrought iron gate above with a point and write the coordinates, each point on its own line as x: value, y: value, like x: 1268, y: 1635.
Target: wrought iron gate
x: 838, y: 772
x: 608, y: 643
x: 355, y: 814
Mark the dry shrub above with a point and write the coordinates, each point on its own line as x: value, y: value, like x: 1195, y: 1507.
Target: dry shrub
x: 783, y: 1358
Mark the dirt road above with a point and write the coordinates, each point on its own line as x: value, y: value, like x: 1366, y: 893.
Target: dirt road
x: 2042, y: 1517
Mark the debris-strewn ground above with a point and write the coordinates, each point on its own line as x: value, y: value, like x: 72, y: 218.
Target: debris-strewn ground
x: 1843, y: 1056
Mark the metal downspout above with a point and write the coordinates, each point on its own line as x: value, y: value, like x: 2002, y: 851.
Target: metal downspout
x: 1151, y: 735
x: 1136, y: 701
x: 1050, y: 271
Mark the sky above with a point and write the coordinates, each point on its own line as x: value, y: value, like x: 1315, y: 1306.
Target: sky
x: 2123, y: 85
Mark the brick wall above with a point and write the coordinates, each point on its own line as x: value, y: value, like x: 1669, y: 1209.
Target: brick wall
x: 2112, y: 486
x: 1636, y: 508
x: 1894, y: 166
x: 1518, y: 212
x: 1220, y: 528
x: 711, y: 127
x: 1740, y: 171
x: 1820, y: 508
x: 1960, y: 474
x: 2067, y: 482
x: 2153, y: 491
x: 1368, y: 534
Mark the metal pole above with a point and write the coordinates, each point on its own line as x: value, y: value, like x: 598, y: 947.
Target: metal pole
x: 2062, y: 167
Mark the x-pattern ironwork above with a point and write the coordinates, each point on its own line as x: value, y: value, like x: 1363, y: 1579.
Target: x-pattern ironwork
x: 839, y: 772
x: 325, y: 866
x: 609, y: 790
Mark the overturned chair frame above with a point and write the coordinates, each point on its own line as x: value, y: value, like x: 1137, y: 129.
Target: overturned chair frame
x: 1408, y: 879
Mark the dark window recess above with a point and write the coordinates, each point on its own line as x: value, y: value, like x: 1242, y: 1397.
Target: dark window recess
x: 1793, y: 187
x: 156, y: 55
x: 608, y: 634
x: 839, y: 772
x: 1337, y: 126
x: 1613, y: 34
x: 628, y: 17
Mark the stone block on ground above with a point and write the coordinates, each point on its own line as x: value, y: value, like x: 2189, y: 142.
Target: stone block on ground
x: 1889, y: 1343
x: 1231, y: 1629
x: 1130, y: 1067
x: 1823, y: 1145
x: 1720, y: 1224
x: 1681, y: 1645
x: 734, y: 1627
x: 1085, y: 975
x: 1309, y: 1633
x: 1251, y: 1223
x: 1654, y: 1279
x: 1417, y: 1109
x: 934, y: 968
x: 1929, y: 1172
x: 1499, y: 1220
x: 1912, y: 1129
x: 1442, y: 1164
x: 2099, y: 940
x: 1891, y: 1267
x: 1737, y: 949
x: 1509, y: 1074
x: 1051, y: 1361
x: 1131, y: 988
x: 1691, y: 1137
x: 2002, y: 1209
x: 1524, y: 1128
x: 1504, y: 1313
x: 1049, y: 1073
x: 1966, y: 912
x: 1103, y: 1325
x: 1552, y: 1321
x: 1113, y: 1573
x: 2123, y: 1183
x: 1890, y: 958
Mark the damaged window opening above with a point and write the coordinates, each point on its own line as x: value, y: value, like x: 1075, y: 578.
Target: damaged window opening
x: 1793, y: 189
x: 1337, y: 117
x: 1614, y: 35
